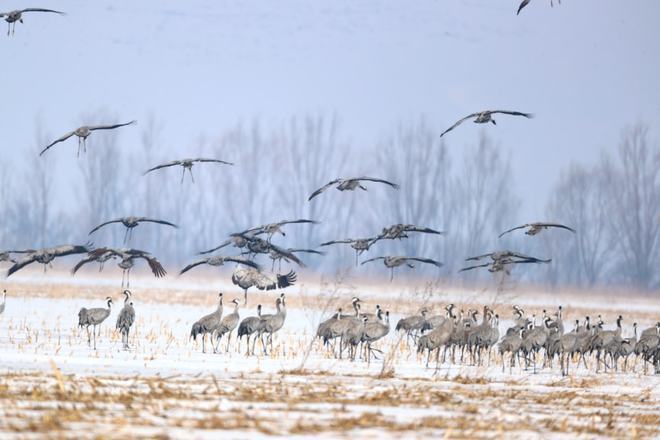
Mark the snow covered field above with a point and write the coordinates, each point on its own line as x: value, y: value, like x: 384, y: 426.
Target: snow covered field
x: 52, y: 382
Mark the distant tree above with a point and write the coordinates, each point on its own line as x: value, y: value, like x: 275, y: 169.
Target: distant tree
x: 580, y: 201
x: 485, y: 199
x: 632, y: 181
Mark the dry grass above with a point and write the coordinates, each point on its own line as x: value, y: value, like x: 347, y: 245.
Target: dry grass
x: 63, y: 405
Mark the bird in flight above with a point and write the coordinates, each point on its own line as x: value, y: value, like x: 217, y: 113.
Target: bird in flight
x: 218, y: 260
x: 484, y: 117
x: 400, y: 231
x: 501, y: 259
x: 83, y: 133
x: 130, y: 223
x: 535, y: 228
x: 350, y: 184
x: 187, y: 164
x: 127, y: 256
x: 359, y: 245
x: 14, y: 16
x: 275, y: 228
x: 395, y: 261
x: 46, y: 256
x: 526, y: 2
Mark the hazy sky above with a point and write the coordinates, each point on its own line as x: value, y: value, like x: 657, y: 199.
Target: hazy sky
x: 586, y: 68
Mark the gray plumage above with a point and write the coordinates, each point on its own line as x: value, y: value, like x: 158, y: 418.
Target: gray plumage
x: 12, y: 17
x: 131, y: 223
x: 252, y: 277
x: 350, y: 184
x: 412, y: 325
x: 436, y: 339
x: 375, y: 330
x: 46, y: 256
x: 484, y: 117
x: 186, y: 164
x: 227, y: 325
x: 4, y: 301
x: 270, y: 324
x: 125, y: 320
x: 93, y: 317
x: 83, y: 133
x: 511, y: 343
x: 395, y: 261
x: 207, y: 324
x: 248, y: 327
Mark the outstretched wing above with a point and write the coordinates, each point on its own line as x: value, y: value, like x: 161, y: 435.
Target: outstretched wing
x: 346, y: 241
x: 81, y: 263
x: 243, y: 261
x: 307, y: 251
x: 426, y: 260
x: 191, y: 265
x: 31, y: 258
x: 372, y: 259
x: 202, y: 160
x: 109, y: 127
x: 459, y: 122
x: 478, y: 257
x: 323, y: 188
x: 301, y: 220
x: 508, y: 112
x: 163, y: 165
x: 522, y: 5
x: 62, y: 251
x: 474, y: 267
x: 226, y: 243
x: 41, y: 10
x: 556, y: 225
x: 62, y: 139
x: 119, y: 220
x: 413, y: 228
x: 286, y: 254
x: 373, y: 179
x: 155, y: 266
x: 287, y: 280
x: 513, y: 229
x: 160, y: 222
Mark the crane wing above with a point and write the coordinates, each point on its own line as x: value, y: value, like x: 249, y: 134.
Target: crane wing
x: 323, y: 188
x: 62, y: 139
x: 109, y: 127
x: 164, y: 165
x: 459, y: 122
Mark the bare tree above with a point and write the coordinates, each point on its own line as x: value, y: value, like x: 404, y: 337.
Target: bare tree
x: 633, y: 185
x: 485, y: 199
x: 416, y: 158
x: 579, y: 200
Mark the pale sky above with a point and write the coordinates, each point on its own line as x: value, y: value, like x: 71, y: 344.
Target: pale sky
x: 586, y: 68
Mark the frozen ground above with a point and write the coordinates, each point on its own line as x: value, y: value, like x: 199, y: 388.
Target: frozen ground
x: 51, y: 381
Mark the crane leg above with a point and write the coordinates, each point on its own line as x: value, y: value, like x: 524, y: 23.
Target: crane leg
x: 89, y: 338
x: 245, y: 297
x: 94, y: 331
x: 191, y: 176
x: 183, y: 175
x: 228, y: 341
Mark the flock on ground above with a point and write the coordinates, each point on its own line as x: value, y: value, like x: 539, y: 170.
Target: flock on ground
x: 451, y: 331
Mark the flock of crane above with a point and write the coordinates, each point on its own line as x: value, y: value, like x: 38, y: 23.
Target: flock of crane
x: 353, y: 332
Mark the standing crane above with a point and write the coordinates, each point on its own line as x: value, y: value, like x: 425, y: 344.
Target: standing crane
x: 126, y: 319
x: 93, y: 317
x: 207, y: 325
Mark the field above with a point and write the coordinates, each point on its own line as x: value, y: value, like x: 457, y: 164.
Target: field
x: 52, y: 383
